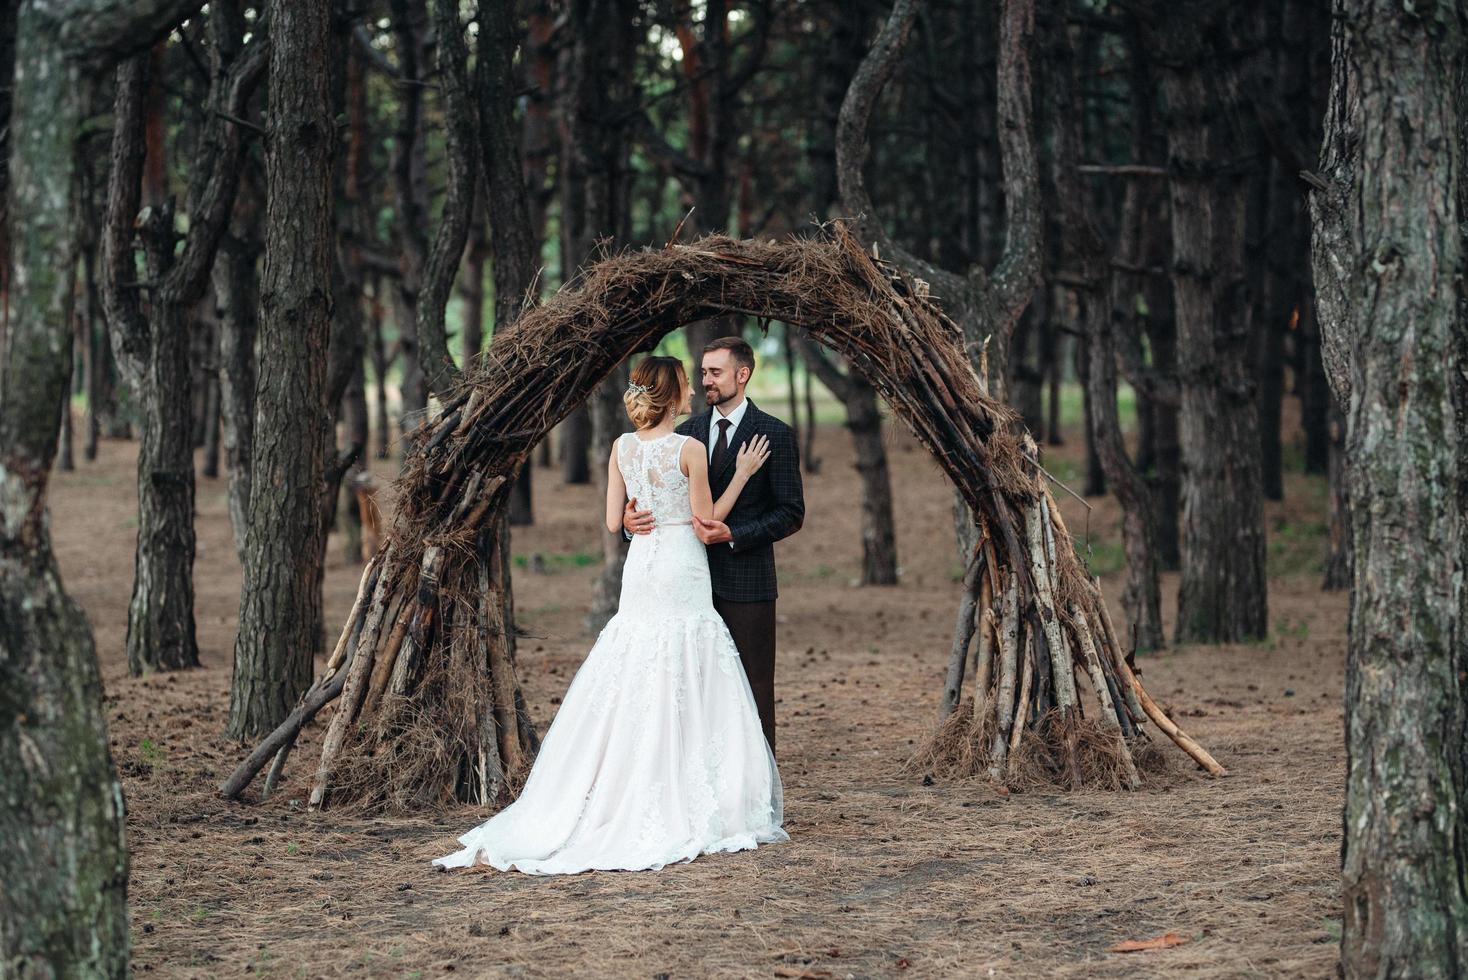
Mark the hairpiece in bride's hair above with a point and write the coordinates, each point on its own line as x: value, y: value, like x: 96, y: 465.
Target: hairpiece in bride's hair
x: 633, y: 388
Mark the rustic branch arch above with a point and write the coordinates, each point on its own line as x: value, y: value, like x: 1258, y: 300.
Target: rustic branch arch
x: 430, y: 709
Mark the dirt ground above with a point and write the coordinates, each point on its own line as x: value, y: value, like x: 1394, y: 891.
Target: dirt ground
x: 884, y: 874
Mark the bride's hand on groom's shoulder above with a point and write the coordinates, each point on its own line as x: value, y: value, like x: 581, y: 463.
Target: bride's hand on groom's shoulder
x: 711, y: 532
x: 636, y: 521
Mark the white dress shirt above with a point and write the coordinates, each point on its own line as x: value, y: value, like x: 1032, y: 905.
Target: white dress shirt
x: 734, y: 417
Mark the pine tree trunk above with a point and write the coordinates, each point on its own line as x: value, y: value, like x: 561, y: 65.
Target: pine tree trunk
x: 1100, y: 302
x: 1390, y: 263
x: 64, y: 864
x: 1338, y: 547
x: 878, y: 529
x: 595, y: 100
x: 514, y: 234
x: 160, y: 621
x: 154, y: 354
x: 1223, y: 593
x: 63, y: 904
x: 864, y: 422
x: 283, y: 538
x: 236, y: 291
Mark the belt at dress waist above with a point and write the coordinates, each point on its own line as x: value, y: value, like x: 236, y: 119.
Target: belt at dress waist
x: 669, y: 524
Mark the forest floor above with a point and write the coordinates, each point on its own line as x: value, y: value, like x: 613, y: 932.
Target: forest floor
x: 884, y: 875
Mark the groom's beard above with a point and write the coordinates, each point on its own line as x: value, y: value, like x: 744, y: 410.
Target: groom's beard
x: 716, y: 397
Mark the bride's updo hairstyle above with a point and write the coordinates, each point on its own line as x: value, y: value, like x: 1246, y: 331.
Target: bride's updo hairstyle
x: 655, y: 390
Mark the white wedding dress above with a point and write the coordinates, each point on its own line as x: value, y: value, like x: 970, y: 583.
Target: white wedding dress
x: 656, y: 754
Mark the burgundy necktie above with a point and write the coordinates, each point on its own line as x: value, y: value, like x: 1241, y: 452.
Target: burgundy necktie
x: 721, y: 447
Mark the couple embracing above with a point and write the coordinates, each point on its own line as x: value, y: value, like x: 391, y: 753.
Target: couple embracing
x: 663, y: 747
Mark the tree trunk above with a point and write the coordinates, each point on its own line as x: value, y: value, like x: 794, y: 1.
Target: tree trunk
x: 1390, y: 263
x: 596, y: 98
x: 382, y: 424
x: 1223, y: 593
x: 864, y: 422
x: 236, y: 291
x: 986, y: 303
x: 64, y: 863
x: 283, y: 540
x: 514, y: 236
x: 211, y: 407
x: 1338, y: 549
x: 160, y: 621
x: 1101, y: 301
x: 155, y: 353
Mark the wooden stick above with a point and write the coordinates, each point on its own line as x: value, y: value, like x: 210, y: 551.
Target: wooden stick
x: 284, y: 735
x: 273, y: 776
x: 1118, y: 659
x: 356, y: 677
x: 1027, y: 672
x: 983, y: 667
x: 963, y: 632
x: 1065, y: 694
x: 364, y: 587
x: 1180, y: 737
x: 1008, y: 653
x: 1109, y: 716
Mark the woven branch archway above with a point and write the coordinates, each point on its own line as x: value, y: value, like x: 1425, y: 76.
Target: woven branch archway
x: 429, y: 706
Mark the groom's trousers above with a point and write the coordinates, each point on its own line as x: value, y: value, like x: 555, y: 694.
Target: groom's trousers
x: 752, y: 624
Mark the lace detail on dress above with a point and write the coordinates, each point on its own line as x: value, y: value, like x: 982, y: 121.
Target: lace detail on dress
x: 652, y: 474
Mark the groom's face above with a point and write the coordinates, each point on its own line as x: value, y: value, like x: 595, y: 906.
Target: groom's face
x: 723, y: 377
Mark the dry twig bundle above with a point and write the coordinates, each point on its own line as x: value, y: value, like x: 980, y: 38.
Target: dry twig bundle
x: 429, y: 705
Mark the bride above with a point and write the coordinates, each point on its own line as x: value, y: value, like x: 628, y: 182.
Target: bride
x: 656, y: 754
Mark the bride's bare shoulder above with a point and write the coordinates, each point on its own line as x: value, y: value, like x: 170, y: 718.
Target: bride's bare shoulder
x: 691, y: 459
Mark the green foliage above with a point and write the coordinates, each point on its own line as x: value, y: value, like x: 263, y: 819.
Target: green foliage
x: 1297, y: 547
x: 554, y: 563
x: 150, y: 754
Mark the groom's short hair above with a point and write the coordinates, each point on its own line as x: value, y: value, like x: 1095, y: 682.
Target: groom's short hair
x: 738, y: 349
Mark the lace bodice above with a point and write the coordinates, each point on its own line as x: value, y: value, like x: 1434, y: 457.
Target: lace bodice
x: 650, y: 470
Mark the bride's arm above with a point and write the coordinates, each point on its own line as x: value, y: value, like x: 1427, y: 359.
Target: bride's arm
x: 696, y: 465
x: 616, y: 491
x: 752, y: 456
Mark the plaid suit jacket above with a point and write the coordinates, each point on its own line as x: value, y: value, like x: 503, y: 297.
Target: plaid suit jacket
x: 771, y: 506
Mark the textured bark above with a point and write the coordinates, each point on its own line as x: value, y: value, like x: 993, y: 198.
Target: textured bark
x: 64, y: 864
x: 841, y: 54
x: 7, y: 99
x: 514, y: 239
x: 442, y: 261
x: 154, y: 356
x: 1223, y: 594
x: 236, y: 294
x: 274, y: 647
x: 596, y: 95
x: 377, y: 349
x: 409, y: 168
x: 864, y: 422
x: 1390, y: 262
x: 1338, y: 548
x: 987, y: 305
x: 153, y: 348
x: 1097, y: 293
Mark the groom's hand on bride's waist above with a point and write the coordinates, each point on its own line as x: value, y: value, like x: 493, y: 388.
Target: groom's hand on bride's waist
x: 711, y: 532
x: 636, y: 521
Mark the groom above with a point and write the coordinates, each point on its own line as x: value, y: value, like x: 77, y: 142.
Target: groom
x: 771, y: 506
